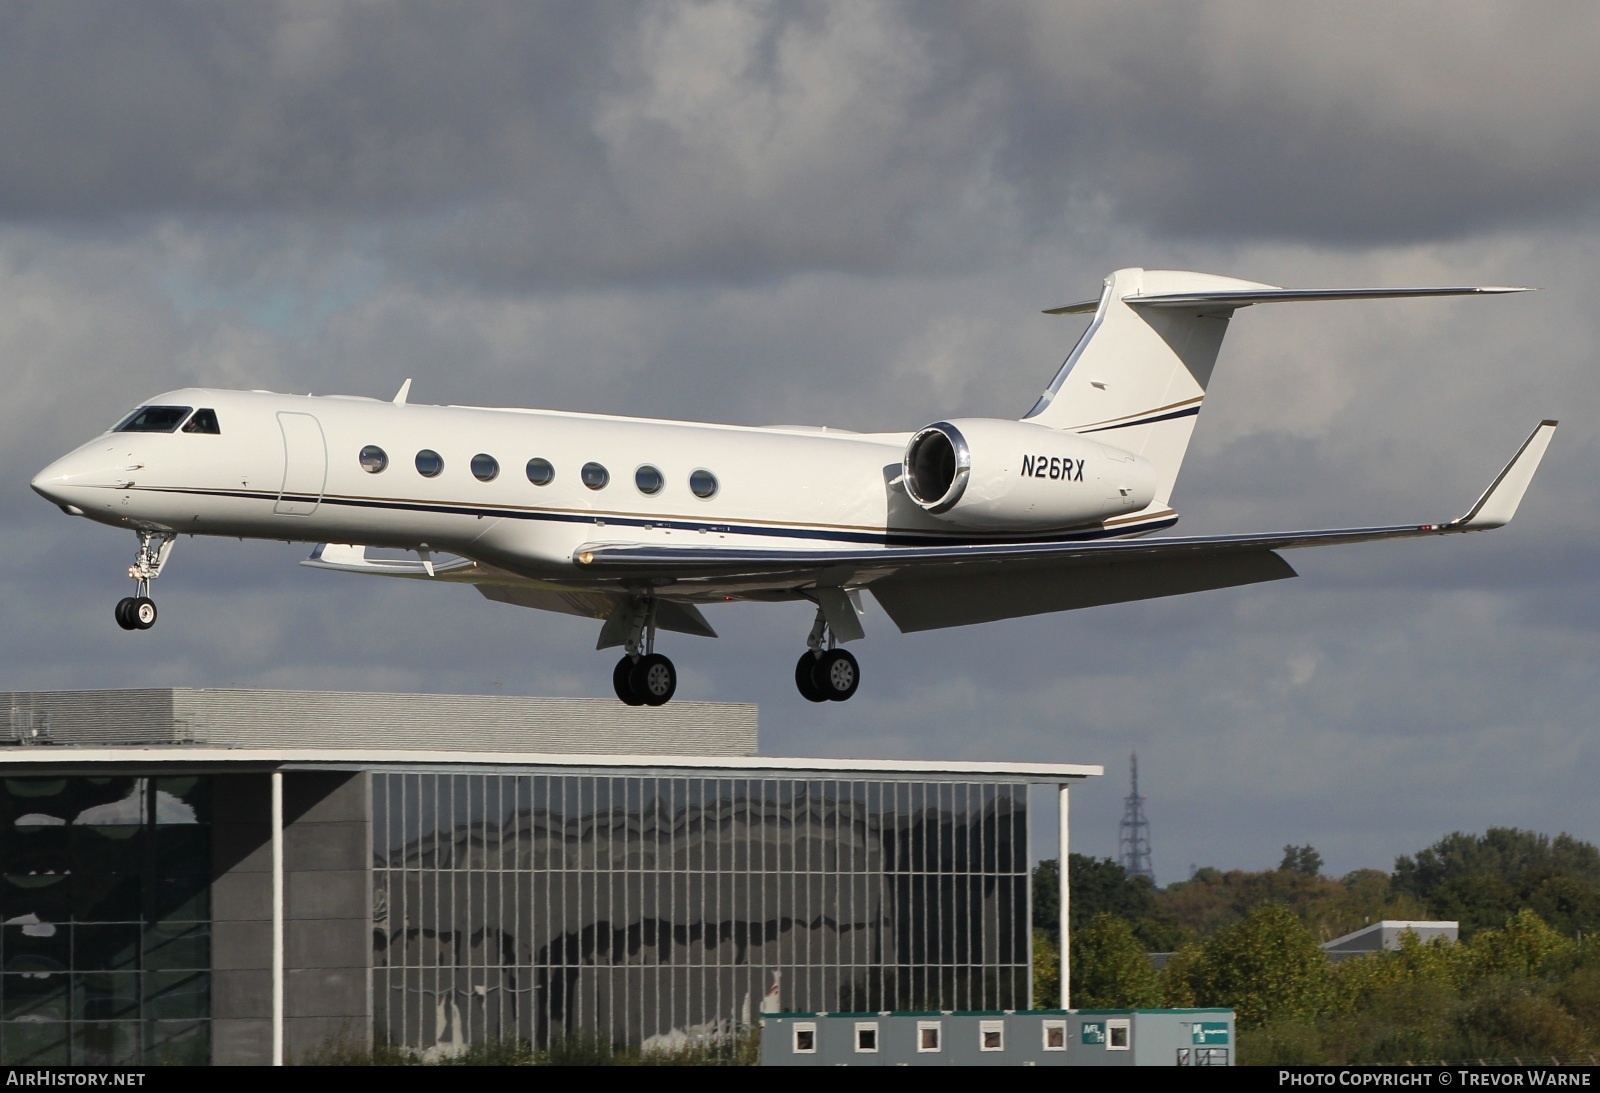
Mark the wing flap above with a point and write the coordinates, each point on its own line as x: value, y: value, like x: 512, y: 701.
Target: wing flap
x: 917, y: 601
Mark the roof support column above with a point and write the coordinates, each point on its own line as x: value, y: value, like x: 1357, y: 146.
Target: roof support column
x: 277, y: 918
x: 1066, y: 903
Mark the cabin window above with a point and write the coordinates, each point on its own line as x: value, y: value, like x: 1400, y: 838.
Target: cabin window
x: 991, y: 1035
x: 702, y: 484
x: 485, y: 467
x: 429, y: 463
x: 866, y: 1036
x: 1119, y: 1034
x: 153, y: 419
x: 805, y: 1037
x: 373, y: 459
x: 540, y: 472
x: 204, y: 421
x: 594, y: 476
x: 927, y: 1036
x: 649, y: 480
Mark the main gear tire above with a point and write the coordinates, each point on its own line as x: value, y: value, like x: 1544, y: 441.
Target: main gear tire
x: 802, y: 678
x: 620, y: 682
x: 836, y: 675
x: 653, y: 679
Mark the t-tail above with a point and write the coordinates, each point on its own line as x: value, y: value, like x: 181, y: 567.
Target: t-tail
x: 1137, y: 378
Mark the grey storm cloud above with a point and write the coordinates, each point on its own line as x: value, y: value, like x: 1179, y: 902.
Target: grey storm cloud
x: 578, y: 143
x: 851, y: 214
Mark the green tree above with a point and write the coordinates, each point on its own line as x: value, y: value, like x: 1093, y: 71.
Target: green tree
x: 1111, y: 968
x: 1479, y: 880
x: 1177, y: 978
x: 1046, y: 971
x: 1265, y: 966
x: 1100, y: 885
x: 1524, y: 948
x: 1301, y: 859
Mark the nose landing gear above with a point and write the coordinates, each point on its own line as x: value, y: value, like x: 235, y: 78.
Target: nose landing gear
x: 826, y: 674
x: 643, y: 677
x: 138, y: 611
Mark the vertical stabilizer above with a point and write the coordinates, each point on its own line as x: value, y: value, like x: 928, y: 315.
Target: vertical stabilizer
x: 1138, y: 376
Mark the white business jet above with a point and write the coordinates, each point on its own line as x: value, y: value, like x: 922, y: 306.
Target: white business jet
x: 641, y: 522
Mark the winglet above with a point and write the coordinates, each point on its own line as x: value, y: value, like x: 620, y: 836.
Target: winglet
x: 1499, y: 502
x: 405, y: 391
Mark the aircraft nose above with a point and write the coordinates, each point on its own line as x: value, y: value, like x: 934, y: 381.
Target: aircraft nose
x: 65, y: 482
x: 51, y: 483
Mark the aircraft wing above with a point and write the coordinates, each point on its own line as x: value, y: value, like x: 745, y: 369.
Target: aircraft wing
x: 505, y: 587
x: 926, y: 587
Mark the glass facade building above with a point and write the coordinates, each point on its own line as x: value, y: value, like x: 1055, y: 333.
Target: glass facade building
x: 105, y: 947
x: 646, y: 908
x: 194, y: 875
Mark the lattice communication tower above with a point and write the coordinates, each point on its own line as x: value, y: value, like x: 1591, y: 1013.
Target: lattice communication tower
x: 1133, y: 833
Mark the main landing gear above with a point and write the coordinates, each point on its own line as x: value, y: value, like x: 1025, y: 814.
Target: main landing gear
x: 138, y: 611
x: 826, y: 674
x: 643, y: 677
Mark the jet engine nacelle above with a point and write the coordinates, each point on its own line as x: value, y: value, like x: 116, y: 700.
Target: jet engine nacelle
x: 1013, y: 475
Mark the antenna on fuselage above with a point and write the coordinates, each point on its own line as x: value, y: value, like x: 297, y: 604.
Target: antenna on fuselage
x: 400, y: 395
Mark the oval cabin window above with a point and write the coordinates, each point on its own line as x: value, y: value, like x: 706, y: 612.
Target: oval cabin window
x: 702, y: 484
x: 484, y: 467
x: 649, y: 480
x: 373, y: 459
x: 595, y: 476
x: 429, y: 463
x: 540, y: 472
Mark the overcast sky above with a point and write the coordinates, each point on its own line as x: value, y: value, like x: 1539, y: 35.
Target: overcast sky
x: 852, y: 215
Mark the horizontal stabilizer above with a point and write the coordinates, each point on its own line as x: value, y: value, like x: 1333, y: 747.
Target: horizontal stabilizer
x: 1244, y: 298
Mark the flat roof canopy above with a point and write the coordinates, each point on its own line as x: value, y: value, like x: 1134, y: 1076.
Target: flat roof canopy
x: 44, y: 759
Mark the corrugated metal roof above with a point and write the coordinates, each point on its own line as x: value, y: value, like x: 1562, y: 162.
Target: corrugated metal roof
x: 242, y: 718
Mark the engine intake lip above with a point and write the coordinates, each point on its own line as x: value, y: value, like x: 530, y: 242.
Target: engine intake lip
x: 936, y: 467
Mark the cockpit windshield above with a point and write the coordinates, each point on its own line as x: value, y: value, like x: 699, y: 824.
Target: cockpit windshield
x: 153, y: 419
x: 204, y: 421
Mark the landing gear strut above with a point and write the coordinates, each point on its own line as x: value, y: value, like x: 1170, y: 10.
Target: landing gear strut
x: 643, y: 677
x: 829, y: 673
x: 138, y: 611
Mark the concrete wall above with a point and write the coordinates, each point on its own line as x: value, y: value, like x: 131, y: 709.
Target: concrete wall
x: 327, y: 896
x: 236, y: 717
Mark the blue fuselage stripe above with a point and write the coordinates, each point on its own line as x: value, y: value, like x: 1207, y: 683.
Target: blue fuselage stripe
x: 1188, y: 411
x: 861, y: 538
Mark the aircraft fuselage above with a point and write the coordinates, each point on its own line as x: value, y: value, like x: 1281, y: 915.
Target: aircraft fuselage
x: 457, y: 479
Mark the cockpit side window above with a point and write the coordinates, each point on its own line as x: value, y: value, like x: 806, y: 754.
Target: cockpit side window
x: 204, y: 421
x: 153, y: 419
